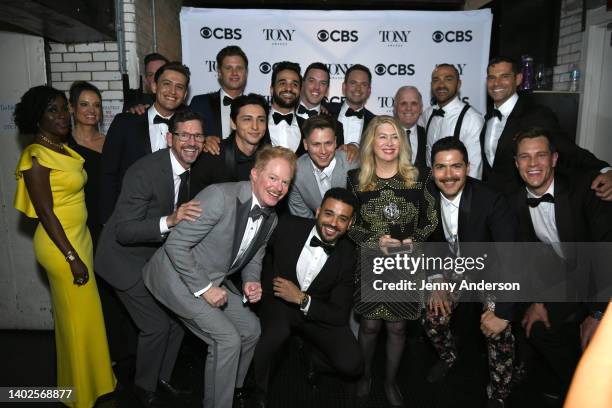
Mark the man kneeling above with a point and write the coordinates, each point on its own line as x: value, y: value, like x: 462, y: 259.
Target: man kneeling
x: 307, y: 284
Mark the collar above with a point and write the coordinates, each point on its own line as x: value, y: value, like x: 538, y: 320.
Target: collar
x: 254, y: 201
x: 313, y: 233
x: 345, y: 107
x: 177, y: 169
x: 152, y: 112
x: 317, y: 108
x: 507, y: 107
x: 550, y: 190
x: 328, y: 170
x: 413, y: 130
x: 454, y: 202
x: 453, y: 106
x: 272, y: 110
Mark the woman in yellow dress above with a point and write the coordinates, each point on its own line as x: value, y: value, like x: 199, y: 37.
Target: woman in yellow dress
x: 50, y: 180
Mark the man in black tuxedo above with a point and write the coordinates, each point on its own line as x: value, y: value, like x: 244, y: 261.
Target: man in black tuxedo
x: 512, y: 113
x: 555, y: 209
x: 131, y: 136
x: 470, y: 212
x: 284, y: 126
x: 352, y: 113
x: 315, y: 87
x: 152, y: 62
x: 249, y: 118
x: 407, y: 107
x: 307, y: 284
x: 232, y: 72
x: 153, y: 199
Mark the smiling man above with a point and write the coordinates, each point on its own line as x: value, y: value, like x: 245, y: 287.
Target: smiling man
x: 450, y: 116
x: 308, y: 288
x: 132, y: 136
x: 322, y: 168
x: 407, y: 108
x: 208, y: 268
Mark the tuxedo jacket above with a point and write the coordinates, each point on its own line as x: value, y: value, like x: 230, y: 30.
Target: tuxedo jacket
x: 334, y: 110
x: 127, y: 141
x: 420, y: 160
x: 131, y: 235
x: 305, y: 197
x: 202, y: 252
x: 331, y: 292
x: 503, y: 175
x: 209, y: 106
x: 218, y: 168
x: 484, y: 216
x: 580, y: 216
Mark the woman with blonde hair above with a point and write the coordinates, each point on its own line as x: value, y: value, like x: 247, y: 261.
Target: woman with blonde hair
x: 394, y: 208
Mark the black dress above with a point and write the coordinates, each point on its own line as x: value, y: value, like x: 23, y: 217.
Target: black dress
x: 416, y: 216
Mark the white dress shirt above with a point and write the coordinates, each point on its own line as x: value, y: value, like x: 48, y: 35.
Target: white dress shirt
x: 157, y: 131
x: 250, y: 232
x: 414, y: 141
x: 283, y: 134
x: 445, y: 126
x: 544, y: 221
x: 495, y: 127
x: 309, y: 264
x: 352, y: 125
x: 323, y: 177
x: 449, y: 210
x: 226, y: 128
x: 304, y: 115
x: 177, y: 171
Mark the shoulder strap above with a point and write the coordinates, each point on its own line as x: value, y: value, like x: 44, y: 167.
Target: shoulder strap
x: 460, y: 121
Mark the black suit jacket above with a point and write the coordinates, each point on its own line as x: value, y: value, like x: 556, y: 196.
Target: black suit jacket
x: 484, y: 216
x: 526, y: 113
x: 331, y: 291
x: 127, y: 140
x: 420, y: 160
x: 334, y: 109
x: 580, y: 216
x: 209, y: 106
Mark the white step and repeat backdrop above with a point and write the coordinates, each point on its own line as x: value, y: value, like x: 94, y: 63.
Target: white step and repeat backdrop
x: 399, y: 47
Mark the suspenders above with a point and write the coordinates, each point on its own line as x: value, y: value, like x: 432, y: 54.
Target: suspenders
x: 457, y: 125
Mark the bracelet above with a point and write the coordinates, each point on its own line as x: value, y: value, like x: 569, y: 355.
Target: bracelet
x: 597, y: 315
x: 70, y: 256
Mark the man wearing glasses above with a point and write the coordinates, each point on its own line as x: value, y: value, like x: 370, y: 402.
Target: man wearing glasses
x: 153, y: 199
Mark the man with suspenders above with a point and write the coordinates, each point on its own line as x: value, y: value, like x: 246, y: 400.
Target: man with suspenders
x: 452, y: 117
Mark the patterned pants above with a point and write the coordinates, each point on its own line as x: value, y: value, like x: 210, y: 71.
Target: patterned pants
x: 500, y: 351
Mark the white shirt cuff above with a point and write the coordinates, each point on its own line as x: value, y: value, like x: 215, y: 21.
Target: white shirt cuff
x: 163, y: 225
x: 200, y: 292
x: 305, y: 309
x: 605, y: 170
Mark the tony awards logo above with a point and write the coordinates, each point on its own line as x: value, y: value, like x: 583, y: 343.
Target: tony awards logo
x: 391, y: 212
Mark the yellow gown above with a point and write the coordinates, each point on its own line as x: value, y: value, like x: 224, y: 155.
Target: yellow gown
x: 83, y: 359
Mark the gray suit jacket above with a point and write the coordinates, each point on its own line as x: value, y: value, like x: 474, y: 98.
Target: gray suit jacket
x: 305, y: 197
x: 131, y: 235
x: 201, y: 252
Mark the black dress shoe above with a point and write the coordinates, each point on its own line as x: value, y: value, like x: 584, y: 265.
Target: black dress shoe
x: 438, y: 371
x: 148, y: 399
x: 166, y: 388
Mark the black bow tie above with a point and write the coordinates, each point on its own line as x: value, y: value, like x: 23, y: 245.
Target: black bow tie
x: 303, y: 110
x: 279, y: 116
x: 408, y: 133
x: 494, y: 113
x: 227, y: 100
x: 534, y: 202
x: 158, y: 119
x: 437, y: 112
x: 316, y: 242
x: 350, y: 112
x: 257, y: 212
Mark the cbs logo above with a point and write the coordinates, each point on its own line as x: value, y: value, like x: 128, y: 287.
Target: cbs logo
x: 221, y: 33
x: 394, y: 69
x: 452, y: 36
x: 338, y: 36
x: 265, y: 67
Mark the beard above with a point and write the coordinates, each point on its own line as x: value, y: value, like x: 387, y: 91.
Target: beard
x: 284, y: 104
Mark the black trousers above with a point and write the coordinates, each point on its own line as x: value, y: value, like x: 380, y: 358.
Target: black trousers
x: 280, y: 319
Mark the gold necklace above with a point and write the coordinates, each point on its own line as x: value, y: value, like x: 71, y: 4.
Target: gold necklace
x: 60, y: 146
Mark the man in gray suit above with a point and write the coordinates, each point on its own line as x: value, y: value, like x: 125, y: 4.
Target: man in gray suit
x: 200, y: 270
x: 322, y: 168
x: 152, y: 201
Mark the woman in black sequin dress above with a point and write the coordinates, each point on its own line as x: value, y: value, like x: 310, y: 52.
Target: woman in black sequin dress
x: 393, y: 202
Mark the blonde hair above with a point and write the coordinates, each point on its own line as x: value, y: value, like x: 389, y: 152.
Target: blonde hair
x: 405, y: 168
x: 267, y: 153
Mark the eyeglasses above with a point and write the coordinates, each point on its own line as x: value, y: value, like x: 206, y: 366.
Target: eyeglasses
x: 183, y: 136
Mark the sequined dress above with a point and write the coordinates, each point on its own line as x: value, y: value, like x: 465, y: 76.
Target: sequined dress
x: 417, y: 218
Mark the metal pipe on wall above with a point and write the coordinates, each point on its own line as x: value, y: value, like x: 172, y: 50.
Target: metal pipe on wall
x: 154, y: 25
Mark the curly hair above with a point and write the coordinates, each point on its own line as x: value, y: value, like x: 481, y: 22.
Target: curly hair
x: 32, y: 107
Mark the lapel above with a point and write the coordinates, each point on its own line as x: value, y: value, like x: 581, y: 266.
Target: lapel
x: 563, y: 211
x: 262, y: 235
x: 526, y: 230
x: 506, y: 138
x: 328, y: 271
x: 243, y: 206
x: 422, y: 141
x: 215, y: 107
x: 338, y: 177
x: 144, y: 132
x: 310, y: 182
x: 465, y: 210
x: 167, y: 186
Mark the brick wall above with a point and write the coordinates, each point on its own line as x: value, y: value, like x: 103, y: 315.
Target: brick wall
x: 570, y: 43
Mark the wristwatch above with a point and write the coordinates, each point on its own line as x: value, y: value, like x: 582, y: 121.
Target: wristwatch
x: 70, y: 256
x: 597, y: 315
x: 304, y: 301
